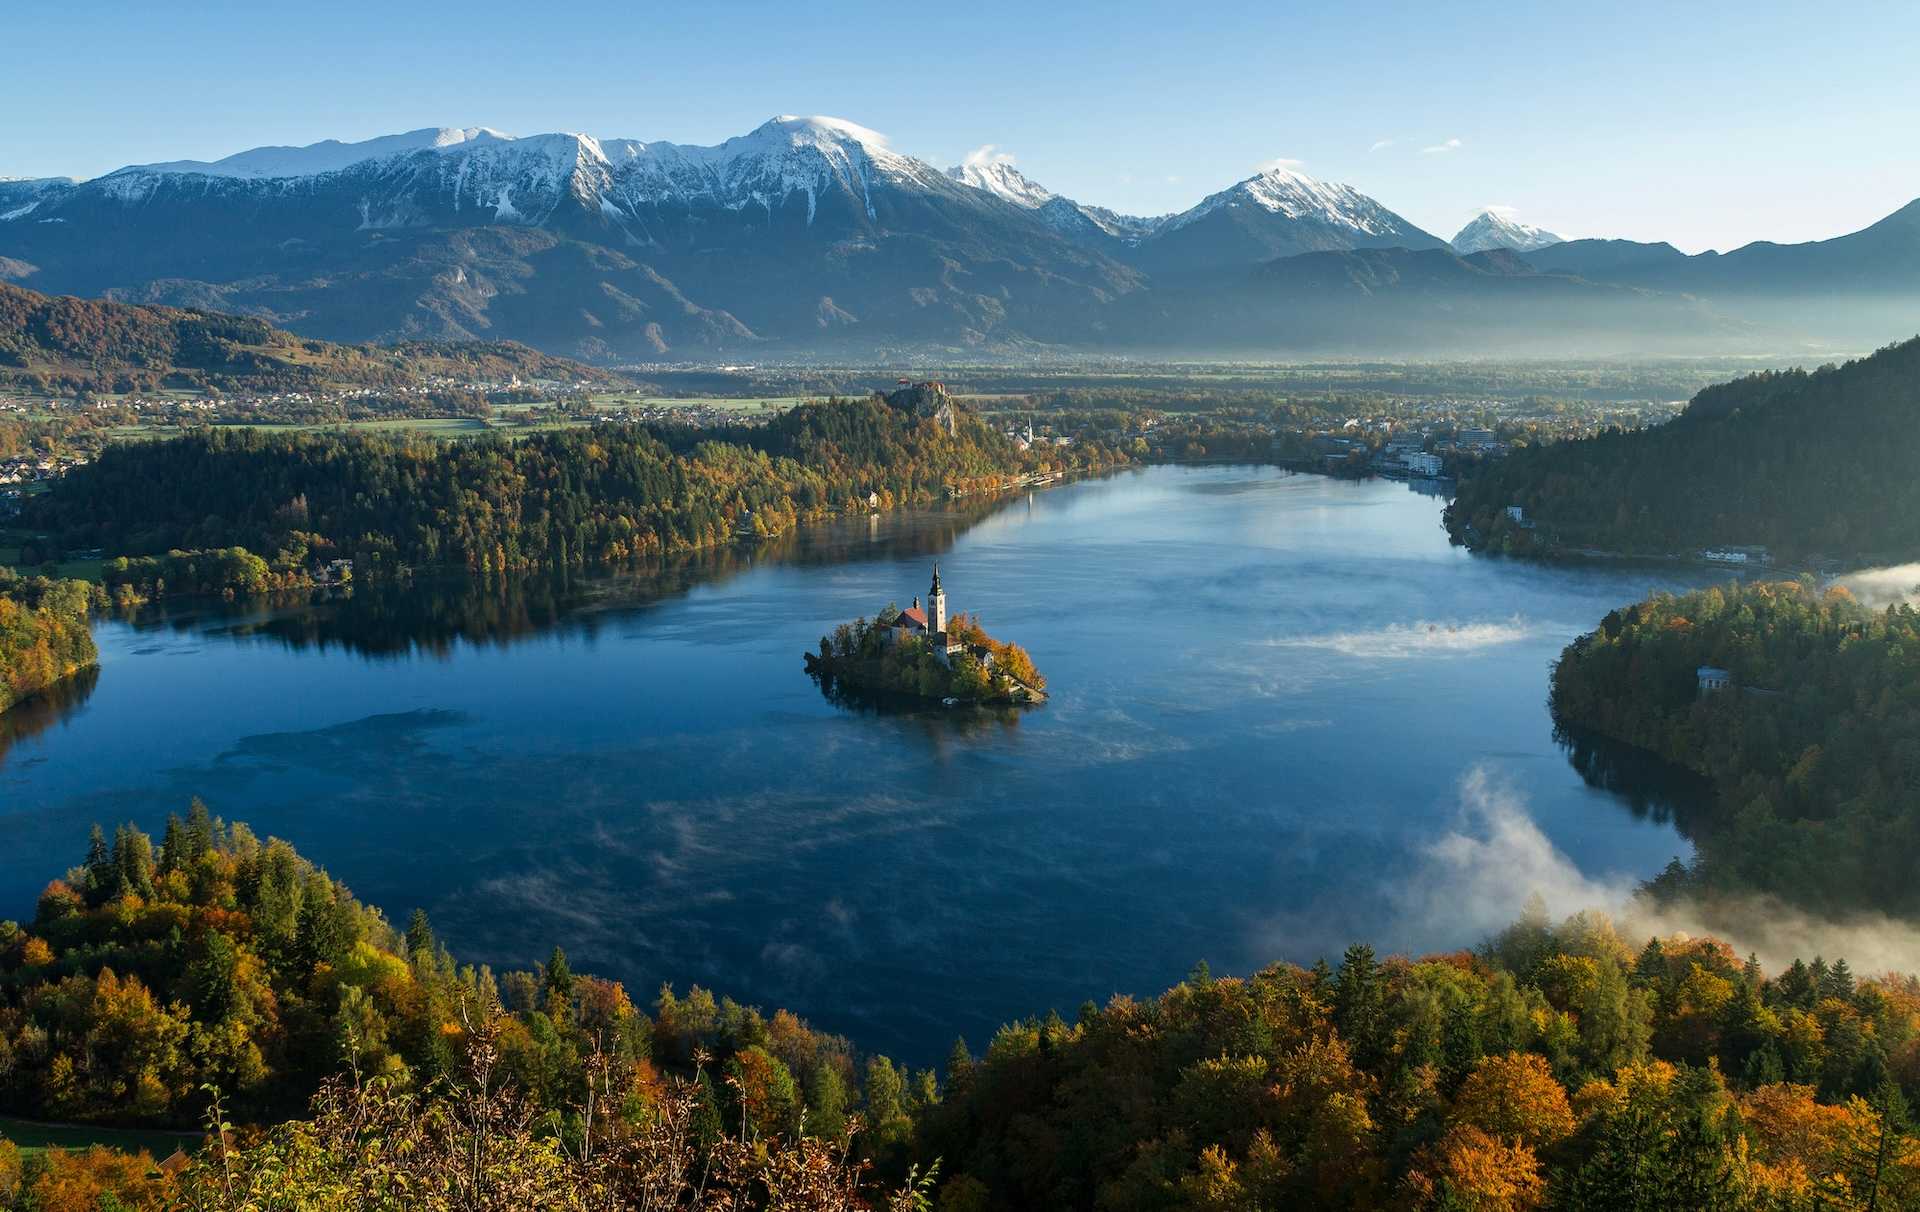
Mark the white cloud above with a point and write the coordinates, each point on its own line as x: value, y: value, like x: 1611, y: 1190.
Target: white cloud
x: 1504, y: 211
x: 986, y: 155
x: 1382, y: 144
x: 1282, y: 164
x: 1437, y: 149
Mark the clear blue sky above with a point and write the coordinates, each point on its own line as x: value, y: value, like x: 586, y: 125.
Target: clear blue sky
x: 1705, y: 124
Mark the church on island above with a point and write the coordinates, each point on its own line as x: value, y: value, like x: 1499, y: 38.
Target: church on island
x: 928, y: 653
x: 929, y: 622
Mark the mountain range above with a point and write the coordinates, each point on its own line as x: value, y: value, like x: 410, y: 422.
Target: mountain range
x: 814, y: 236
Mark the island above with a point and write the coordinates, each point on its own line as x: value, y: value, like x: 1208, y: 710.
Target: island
x: 921, y: 653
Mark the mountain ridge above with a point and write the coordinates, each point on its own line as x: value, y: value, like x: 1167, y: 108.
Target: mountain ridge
x: 805, y: 235
x: 48, y: 340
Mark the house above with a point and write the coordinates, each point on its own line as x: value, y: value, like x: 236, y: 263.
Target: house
x: 1712, y: 678
x: 1422, y: 464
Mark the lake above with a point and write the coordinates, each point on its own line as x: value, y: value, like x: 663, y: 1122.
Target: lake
x: 1285, y: 715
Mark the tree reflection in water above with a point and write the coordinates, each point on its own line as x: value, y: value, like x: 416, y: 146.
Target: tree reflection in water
x: 963, y: 720
x: 31, y: 717
x: 430, y: 614
x: 1651, y: 787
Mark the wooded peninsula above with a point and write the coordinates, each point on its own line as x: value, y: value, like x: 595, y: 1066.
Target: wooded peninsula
x: 1800, y: 705
x: 604, y: 495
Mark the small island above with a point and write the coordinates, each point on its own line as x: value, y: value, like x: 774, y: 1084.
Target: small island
x: 921, y: 653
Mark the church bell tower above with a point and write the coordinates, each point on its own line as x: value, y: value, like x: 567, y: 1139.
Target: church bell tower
x: 936, y: 605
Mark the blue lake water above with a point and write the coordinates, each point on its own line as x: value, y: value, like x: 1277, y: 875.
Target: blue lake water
x: 1285, y: 715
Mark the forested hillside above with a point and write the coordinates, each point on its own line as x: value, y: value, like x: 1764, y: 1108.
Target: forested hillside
x: 44, y: 635
x: 154, y: 977
x: 1561, y: 1065
x: 54, y: 342
x: 554, y: 499
x: 1813, y: 750
x: 1806, y: 464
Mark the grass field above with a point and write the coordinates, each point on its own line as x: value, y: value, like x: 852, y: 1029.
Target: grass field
x: 32, y: 1138
x: 85, y: 570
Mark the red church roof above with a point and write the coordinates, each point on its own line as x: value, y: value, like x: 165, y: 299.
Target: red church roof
x: 915, y: 616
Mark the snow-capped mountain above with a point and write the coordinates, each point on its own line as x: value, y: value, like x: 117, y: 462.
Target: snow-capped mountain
x: 326, y: 156
x: 480, y: 173
x: 1000, y: 178
x: 1094, y: 226
x: 1294, y: 195
x: 21, y: 196
x: 597, y: 247
x: 778, y: 165
x: 1497, y: 228
x: 1279, y: 212
x: 804, y: 233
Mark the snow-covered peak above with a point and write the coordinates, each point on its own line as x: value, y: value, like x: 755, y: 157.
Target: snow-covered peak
x: 21, y: 196
x: 994, y: 172
x: 327, y: 156
x: 1284, y: 190
x: 781, y: 158
x: 795, y: 147
x: 1495, y: 227
x: 821, y: 131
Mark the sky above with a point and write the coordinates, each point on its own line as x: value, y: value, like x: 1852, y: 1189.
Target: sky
x: 1709, y: 125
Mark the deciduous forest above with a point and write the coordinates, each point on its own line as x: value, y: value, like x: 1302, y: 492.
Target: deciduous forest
x: 217, y: 978
x: 44, y: 634
x: 600, y: 495
x: 1813, y: 749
